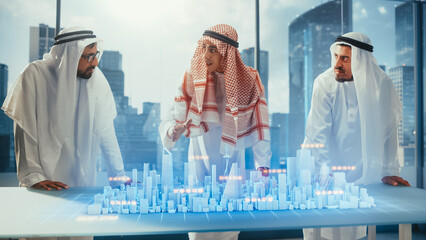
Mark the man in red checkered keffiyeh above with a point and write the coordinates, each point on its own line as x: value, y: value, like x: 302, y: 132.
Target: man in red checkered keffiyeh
x: 220, y: 105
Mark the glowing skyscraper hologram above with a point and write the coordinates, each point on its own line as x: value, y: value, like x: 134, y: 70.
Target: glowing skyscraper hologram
x: 279, y: 191
x: 167, y: 171
x: 233, y: 184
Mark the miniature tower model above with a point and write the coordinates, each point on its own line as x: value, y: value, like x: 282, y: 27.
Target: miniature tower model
x: 167, y: 171
x: 134, y: 177
x: 145, y: 174
x: 300, y: 186
x: 291, y: 172
x: 233, y: 184
x: 282, y: 185
x: 226, y: 158
x: 185, y: 173
x: 192, y: 174
x: 215, y: 187
x: 306, y: 166
x: 324, y: 177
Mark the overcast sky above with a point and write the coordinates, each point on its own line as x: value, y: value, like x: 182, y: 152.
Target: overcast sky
x: 157, y: 38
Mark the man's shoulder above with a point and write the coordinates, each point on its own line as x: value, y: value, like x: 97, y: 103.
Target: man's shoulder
x: 31, y: 68
x: 98, y: 83
x: 326, y: 80
x: 32, y: 72
x: 251, y: 69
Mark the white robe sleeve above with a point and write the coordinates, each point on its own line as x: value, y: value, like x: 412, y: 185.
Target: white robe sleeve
x: 165, y: 125
x: 262, y: 154
x: 28, y: 164
x: 318, y: 124
x: 391, y: 165
x: 111, y: 152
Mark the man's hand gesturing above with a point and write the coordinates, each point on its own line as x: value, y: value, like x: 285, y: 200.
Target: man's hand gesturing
x: 175, y: 132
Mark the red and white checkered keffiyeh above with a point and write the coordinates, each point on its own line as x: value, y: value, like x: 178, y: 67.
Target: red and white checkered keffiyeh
x: 246, y: 116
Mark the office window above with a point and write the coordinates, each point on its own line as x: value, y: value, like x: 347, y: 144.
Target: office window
x: 298, y: 36
x: 147, y: 49
x: 389, y: 24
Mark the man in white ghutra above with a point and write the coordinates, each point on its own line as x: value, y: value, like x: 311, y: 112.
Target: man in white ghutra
x: 354, y: 114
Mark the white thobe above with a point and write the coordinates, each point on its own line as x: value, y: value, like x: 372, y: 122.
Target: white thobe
x: 208, y: 144
x: 334, y: 121
x: 31, y: 169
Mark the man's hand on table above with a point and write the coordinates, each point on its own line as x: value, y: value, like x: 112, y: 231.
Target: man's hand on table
x: 49, y: 185
x: 395, y: 181
x: 264, y: 170
x: 129, y: 182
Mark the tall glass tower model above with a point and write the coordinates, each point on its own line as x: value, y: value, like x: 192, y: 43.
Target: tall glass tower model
x: 310, y: 38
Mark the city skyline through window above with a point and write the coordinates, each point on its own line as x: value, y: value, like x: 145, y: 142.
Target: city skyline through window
x: 148, y: 48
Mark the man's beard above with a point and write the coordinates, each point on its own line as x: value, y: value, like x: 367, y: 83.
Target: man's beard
x: 85, y: 74
x: 344, y: 79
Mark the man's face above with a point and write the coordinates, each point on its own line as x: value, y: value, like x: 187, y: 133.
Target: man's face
x: 85, y: 68
x: 342, y: 68
x: 212, y: 57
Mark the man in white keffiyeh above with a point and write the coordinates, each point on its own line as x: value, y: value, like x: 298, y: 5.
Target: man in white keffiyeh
x: 221, y: 106
x: 63, y: 112
x: 354, y: 115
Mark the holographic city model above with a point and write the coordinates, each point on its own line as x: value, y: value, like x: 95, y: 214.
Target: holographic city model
x: 297, y: 187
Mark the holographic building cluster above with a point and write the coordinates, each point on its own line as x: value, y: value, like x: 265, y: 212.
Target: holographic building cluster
x: 299, y: 186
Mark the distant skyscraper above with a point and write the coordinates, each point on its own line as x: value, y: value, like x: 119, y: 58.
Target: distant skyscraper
x: 111, y: 60
x: 41, y: 40
x: 3, y: 81
x: 247, y: 55
x: 280, y: 151
x: 137, y: 134
x: 7, y: 156
x: 152, y: 123
x: 152, y: 111
x: 136, y: 148
x: 403, y: 79
x: 403, y: 74
x: 111, y: 66
x: 310, y: 37
x: 404, y: 34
